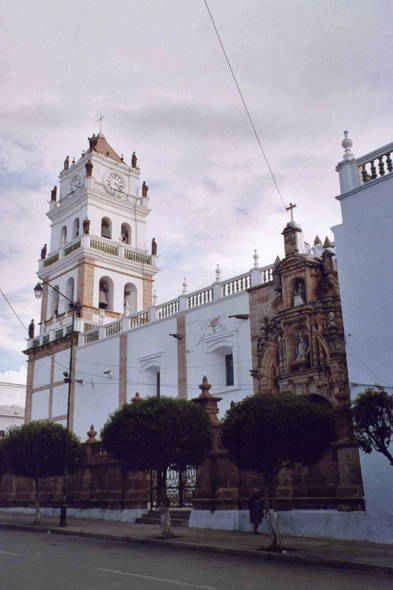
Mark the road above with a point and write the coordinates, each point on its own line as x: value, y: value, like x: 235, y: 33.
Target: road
x: 34, y: 561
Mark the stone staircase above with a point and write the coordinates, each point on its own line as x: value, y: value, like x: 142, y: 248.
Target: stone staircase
x: 179, y: 517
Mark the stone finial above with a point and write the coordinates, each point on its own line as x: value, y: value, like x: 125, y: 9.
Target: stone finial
x: 327, y: 243
x: 256, y: 259
x: 204, y: 387
x: 277, y: 261
x: 317, y: 241
x: 122, y: 158
x: 73, y: 160
x: 218, y: 274
x: 92, y: 435
x: 185, y: 285
x: 136, y: 399
x: 127, y: 308
x: 102, y: 317
x: 347, y: 144
x: 155, y: 298
x: 331, y: 323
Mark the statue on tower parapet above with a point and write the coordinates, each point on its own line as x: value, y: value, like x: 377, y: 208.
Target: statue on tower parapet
x: 145, y: 189
x: 53, y: 194
x: 67, y: 163
x: 31, y: 329
x: 134, y: 160
x: 93, y: 142
x: 89, y: 168
x: 86, y: 226
x: 43, y: 252
x: 154, y: 247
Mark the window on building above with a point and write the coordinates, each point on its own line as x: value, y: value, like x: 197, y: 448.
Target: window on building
x: 229, y: 369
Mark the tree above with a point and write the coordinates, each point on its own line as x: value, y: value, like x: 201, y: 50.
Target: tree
x: 159, y: 434
x: 372, y: 414
x: 37, y: 450
x: 266, y: 433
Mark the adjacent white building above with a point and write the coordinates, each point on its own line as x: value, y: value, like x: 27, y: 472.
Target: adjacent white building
x: 364, y: 247
x: 12, y: 406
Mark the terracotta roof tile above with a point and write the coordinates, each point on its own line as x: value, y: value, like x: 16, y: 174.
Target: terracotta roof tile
x: 99, y: 145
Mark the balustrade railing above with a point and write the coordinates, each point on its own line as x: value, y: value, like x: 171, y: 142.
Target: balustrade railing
x: 140, y: 319
x: 87, y: 327
x: 91, y: 337
x: 200, y: 298
x: 72, y: 248
x: 376, y: 164
x: 107, y: 248
x: 267, y: 275
x: 236, y: 285
x: 112, y: 329
x: 51, y: 260
x: 137, y: 256
x: 168, y: 309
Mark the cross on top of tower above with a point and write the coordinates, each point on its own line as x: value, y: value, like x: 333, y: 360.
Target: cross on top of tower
x: 100, y: 121
x: 291, y: 208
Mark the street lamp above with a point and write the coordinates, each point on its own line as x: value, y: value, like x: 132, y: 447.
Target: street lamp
x: 38, y: 289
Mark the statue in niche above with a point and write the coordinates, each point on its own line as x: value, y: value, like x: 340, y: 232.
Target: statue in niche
x: 43, y: 252
x: 302, y: 348
x: 299, y: 296
x: 53, y: 194
x: 154, y: 247
x: 31, y: 329
x: 86, y: 226
x: 134, y: 160
x: 67, y: 163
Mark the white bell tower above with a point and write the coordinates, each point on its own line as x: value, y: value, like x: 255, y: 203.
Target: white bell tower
x: 98, y: 252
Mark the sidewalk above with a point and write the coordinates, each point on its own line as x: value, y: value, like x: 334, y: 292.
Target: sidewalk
x: 358, y: 555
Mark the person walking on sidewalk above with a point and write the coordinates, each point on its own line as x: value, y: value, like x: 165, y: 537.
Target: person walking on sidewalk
x: 256, y: 510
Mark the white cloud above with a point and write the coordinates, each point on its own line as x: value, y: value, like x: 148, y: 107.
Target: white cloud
x: 14, y: 376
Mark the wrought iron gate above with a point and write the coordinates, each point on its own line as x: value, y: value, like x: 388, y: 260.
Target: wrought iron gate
x: 179, y: 487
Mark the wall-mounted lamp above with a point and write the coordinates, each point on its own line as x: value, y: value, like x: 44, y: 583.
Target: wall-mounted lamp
x: 79, y: 381
x: 109, y: 373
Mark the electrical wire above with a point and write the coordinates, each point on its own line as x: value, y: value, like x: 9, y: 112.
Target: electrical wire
x: 13, y: 310
x: 245, y: 107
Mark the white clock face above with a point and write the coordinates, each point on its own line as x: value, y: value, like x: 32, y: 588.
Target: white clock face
x: 114, y: 183
x: 76, y: 182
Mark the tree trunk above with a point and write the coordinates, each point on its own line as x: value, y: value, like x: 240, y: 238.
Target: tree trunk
x: 37, y: 516
x: 271, y: 518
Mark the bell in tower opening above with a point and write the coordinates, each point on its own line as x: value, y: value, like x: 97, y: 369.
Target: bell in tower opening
x: 106, y: 228
x: 102, y: 302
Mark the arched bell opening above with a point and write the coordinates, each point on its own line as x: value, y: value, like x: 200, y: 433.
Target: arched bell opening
x: 63, y: 235
x: 320, y: 400
x: 54, y: 300
x: 105, y: 296
x: 126, y: 233
x: 106, y: 228
x: 69, y: 291
x: 130, y: 299
x: 75, y: 228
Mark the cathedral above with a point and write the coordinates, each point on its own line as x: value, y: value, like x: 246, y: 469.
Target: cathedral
x: 103, y: 338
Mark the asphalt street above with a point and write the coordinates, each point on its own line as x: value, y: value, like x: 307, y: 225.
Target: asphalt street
x: 35, y: 561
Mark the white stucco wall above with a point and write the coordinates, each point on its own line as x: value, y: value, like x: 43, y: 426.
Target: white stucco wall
x: 364, y: 245
x: 40, y: 405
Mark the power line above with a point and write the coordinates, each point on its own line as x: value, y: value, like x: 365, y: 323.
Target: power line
x: 245, y: 106
x: 13, y: 310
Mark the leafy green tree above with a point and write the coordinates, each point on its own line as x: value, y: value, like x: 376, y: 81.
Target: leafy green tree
x: 159, y: 434
x: 37, y: 450
x: 372, y: 414
x: 267, y: 433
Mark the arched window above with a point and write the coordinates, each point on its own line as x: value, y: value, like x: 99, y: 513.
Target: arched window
x: 69, y: 291
x: 130, y: 299
x: 105, y: 296
x: 54, y: 300
x: 299, y: 292
x: 106, y: 228
x: 75, y: 228
x: 63, y: 235
x: 126, y: 233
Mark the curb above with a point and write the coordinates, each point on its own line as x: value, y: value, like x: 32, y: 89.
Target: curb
x: 186, y: 545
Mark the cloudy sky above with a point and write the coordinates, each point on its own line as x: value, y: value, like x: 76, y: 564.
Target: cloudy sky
x: 308, y: 69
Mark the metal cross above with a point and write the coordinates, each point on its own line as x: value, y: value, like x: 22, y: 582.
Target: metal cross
x: 100, y: 120
x: 291, y: 208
